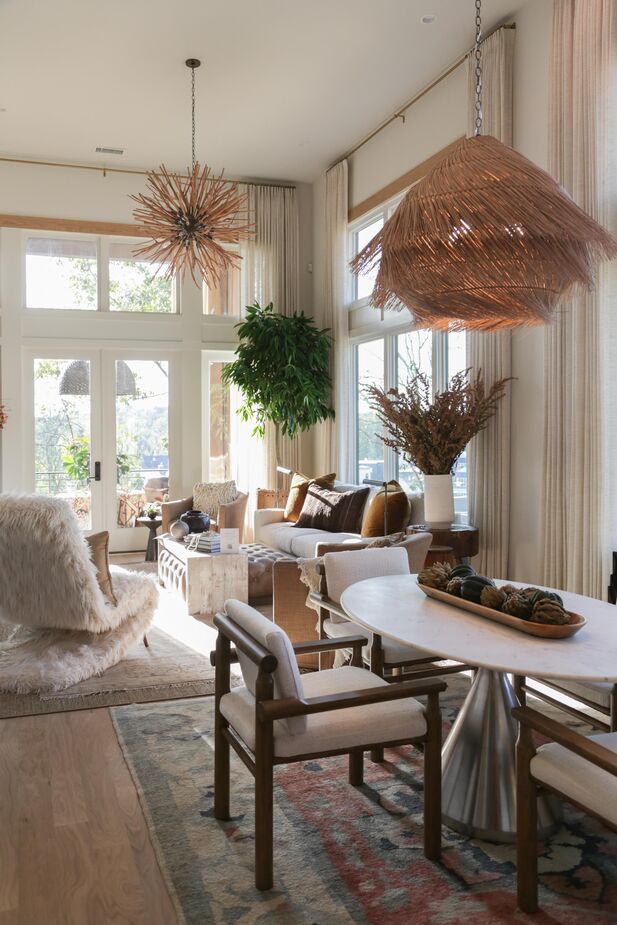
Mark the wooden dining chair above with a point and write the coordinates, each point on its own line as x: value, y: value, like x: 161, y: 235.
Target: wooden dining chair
x: 599, y: 696
x: 384, y: 656
x: 579, y: 769
x: 280, y: 716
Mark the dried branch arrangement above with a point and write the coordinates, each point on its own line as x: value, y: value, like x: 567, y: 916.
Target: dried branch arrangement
x: 486, y: 240
x: 432, y: 434
x: 189, y: 219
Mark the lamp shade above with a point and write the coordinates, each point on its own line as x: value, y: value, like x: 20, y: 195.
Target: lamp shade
x: 75, y: 379
x: 486, y: 240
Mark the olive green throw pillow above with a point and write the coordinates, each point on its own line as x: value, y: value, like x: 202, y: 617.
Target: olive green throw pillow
x: 99, y: 553
x: 399, y: 511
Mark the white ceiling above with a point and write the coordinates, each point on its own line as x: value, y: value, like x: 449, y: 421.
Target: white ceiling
x: 285, y: 87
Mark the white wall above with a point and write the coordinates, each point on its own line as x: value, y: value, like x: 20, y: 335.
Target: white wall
x: 436, y: 120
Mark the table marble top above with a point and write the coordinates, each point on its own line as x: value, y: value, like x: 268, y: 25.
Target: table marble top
x: 395, y: 607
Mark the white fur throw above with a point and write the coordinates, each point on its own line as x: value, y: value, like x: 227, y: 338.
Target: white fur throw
x: 48, y: 585
x: 208, y: 496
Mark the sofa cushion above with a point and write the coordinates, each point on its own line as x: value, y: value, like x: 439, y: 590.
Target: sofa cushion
x: 298, y: 489
x: 334, y: 511
x: 281, y: 534
x: 305, y: 546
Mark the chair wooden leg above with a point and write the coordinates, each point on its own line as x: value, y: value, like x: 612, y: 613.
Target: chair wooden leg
x: 356, y: 768
x: 432, y: 780
x: 264, y: 874
x: 221, y: 745
x: 527, y: 825
x: 519, y: 681
x: 613, y: 706
x: 377, y: 754
x: 146, y: 643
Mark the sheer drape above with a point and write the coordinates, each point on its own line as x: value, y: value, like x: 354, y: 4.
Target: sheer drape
x: 334, y: 438
x: 489, y: 452
x: 270, y: 273
x: 574, y: 483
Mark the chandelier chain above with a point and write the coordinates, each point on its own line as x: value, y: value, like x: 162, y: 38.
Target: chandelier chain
x: 478, y: 57
x: 193, y: 115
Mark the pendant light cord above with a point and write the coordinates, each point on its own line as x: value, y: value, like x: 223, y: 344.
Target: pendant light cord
x: 193, y: 115
x: 478, y: 57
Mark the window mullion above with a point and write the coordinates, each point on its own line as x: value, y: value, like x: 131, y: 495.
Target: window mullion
x: 390, y: 466
x: 103, y: 274
x: 440, y: 361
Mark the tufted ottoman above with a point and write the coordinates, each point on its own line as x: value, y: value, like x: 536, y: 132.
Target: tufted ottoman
x: 261, y: 560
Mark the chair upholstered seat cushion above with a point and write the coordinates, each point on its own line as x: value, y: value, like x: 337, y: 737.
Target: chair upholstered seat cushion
x: 598, y: 692
x: 393, y: 651
x: 577, y: 778
x: 338, y: 729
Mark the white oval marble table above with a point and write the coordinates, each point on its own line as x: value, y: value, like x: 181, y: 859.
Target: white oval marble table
x: 478, y: 790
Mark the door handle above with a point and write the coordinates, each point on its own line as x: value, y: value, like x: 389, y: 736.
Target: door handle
x: 97, y: 473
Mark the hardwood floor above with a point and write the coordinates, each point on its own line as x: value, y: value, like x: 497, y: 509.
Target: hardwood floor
x: 74, y: 845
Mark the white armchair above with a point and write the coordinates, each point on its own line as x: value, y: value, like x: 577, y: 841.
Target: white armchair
x: 280, y: 716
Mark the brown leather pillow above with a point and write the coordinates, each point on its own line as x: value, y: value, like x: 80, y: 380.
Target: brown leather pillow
x: 298, y: 489
x: 99, y: 553
x: 335, y: 511
x: 399, y: 511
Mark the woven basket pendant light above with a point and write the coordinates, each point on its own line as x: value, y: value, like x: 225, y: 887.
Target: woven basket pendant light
x: 189, y: 219
x: 486, y: 240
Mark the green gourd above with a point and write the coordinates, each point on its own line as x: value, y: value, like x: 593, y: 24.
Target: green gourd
x: 541, y: 595
x: 471, y: 589
x: 462, y: 571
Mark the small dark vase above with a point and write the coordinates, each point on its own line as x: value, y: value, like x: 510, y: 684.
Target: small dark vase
x: 196, y: 521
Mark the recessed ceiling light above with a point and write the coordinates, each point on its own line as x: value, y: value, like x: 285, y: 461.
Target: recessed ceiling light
x: 109, y: 150
x: 429, y: 18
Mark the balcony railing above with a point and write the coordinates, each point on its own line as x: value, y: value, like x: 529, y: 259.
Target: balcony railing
x: 56, y: 482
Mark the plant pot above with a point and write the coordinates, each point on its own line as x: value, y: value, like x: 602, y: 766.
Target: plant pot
x: 196, y: 521
x: 438, y: 501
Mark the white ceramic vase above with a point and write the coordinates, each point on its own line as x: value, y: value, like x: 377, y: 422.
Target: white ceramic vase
x: 438, y: 501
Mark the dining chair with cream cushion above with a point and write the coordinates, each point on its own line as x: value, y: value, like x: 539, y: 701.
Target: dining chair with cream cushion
x: 579, y: 769
x: 280, y: 716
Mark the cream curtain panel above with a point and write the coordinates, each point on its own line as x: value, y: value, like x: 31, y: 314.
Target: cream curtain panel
x: 576, y: 497
x: 270, y: 273
x: 488, y: 463
x: 335, y: 438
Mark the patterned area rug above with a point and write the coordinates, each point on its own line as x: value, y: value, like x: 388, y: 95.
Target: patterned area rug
x: 342, y: 855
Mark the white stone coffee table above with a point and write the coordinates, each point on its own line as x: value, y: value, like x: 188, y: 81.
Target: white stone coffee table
x: 205, y: 580
x: 478, y: 790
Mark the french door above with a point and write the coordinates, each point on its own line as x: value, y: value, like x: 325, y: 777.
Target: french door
x: 100, y: 435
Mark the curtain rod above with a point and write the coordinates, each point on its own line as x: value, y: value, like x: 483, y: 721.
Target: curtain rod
x: 142, y: 173
x: 400, y: 113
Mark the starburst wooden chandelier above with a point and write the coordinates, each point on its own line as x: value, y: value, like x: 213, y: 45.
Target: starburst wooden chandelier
x: 486, y: 240
x: 190, y: 218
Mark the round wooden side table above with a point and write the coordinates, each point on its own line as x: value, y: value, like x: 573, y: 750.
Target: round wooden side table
x: 152, y: 549
x: 462, y: 539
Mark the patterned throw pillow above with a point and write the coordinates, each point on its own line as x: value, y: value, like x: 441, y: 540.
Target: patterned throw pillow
x: 335, y: 511
x: 208, y: 496
x: 298, y: 489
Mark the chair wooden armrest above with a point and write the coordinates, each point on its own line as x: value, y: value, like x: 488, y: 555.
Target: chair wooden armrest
x: 568, y: 738
x: 270, y: 710
x: 264, y: 660
x: 322, y: 601
x: 328, y: 645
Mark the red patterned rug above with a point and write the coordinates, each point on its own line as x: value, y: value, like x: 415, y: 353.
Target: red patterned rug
x: 342, y: 854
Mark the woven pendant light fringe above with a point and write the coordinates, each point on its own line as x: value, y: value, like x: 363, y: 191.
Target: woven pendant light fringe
x: 487, y: 240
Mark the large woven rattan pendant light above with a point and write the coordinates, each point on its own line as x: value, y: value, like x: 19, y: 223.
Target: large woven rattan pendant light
x: 486, y: 240
x: 189, y: 219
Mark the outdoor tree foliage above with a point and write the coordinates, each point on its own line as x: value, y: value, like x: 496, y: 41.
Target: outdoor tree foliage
x: 281, y: 370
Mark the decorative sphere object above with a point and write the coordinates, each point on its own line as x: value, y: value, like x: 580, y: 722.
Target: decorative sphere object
x: 179, y: 530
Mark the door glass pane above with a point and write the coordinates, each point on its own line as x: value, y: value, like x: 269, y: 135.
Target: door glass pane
x: 457, y: 362
x: 366, y: 281
x: 142, y: 436
x: 223, y: 297
x: 414, y: 354
x: 61, y: 273
x: 370, y: 362
x: 62, y: 433
x: 220, y: 426
x: 137, y: 285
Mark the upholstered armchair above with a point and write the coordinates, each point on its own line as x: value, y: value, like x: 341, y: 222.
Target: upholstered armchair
x: 281, y: 716
x: 231, y: 514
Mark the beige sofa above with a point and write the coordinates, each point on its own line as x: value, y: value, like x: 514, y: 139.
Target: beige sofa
x: 274, y: 531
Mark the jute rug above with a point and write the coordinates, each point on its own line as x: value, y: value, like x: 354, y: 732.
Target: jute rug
x: 168, y: 669
x: 342, y: 855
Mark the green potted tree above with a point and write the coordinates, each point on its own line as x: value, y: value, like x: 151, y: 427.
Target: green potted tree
x: 282, y: 371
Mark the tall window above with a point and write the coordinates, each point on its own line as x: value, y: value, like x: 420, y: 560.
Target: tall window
x: 390, y: 360
x: 223, y: 296
x: 94, y: 273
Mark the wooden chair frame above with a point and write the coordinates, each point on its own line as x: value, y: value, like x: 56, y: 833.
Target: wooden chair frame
x: 522, y: 688
x: 528, y: 789
x: 262, y: 761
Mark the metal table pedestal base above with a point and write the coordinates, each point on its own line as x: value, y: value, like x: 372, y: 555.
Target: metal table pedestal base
x: 479, y: 769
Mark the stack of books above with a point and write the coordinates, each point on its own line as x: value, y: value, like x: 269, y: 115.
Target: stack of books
x: 204, y: 542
